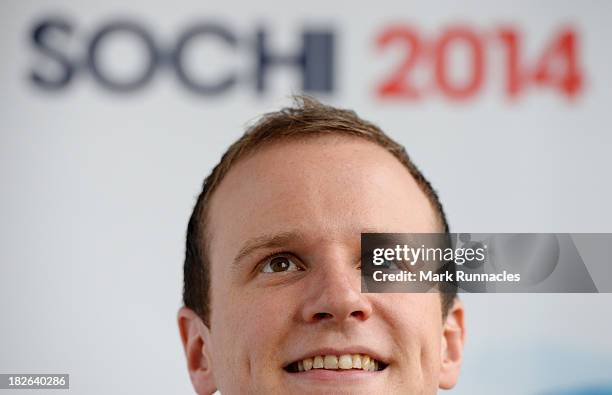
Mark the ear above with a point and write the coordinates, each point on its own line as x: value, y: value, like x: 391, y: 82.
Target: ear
x: 195, y: 336
x: 453, y: 336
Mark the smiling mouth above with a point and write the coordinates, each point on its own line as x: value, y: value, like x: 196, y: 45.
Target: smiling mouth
x: 337, y: 362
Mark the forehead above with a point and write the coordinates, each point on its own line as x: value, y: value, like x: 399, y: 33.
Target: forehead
x: 322, y: 187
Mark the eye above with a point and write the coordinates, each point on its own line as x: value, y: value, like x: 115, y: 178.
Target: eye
x: 279, y: 264
x: 391, y: 265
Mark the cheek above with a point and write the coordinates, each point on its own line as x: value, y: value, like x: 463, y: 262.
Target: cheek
x: 251, y: 325
x: 416, y: 329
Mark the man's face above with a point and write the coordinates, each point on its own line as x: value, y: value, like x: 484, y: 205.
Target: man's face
x: 285, y: 273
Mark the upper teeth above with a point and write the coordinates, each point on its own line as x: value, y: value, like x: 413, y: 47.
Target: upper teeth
x: 333, y: 362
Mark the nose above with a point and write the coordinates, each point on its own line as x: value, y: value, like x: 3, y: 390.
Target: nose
x: 335, y: 293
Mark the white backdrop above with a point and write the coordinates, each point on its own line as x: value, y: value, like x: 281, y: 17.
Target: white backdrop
x: 97, y: 185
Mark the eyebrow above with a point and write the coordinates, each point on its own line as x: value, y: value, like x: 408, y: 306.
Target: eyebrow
x: 265, y: 241
x: 277, y: 240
